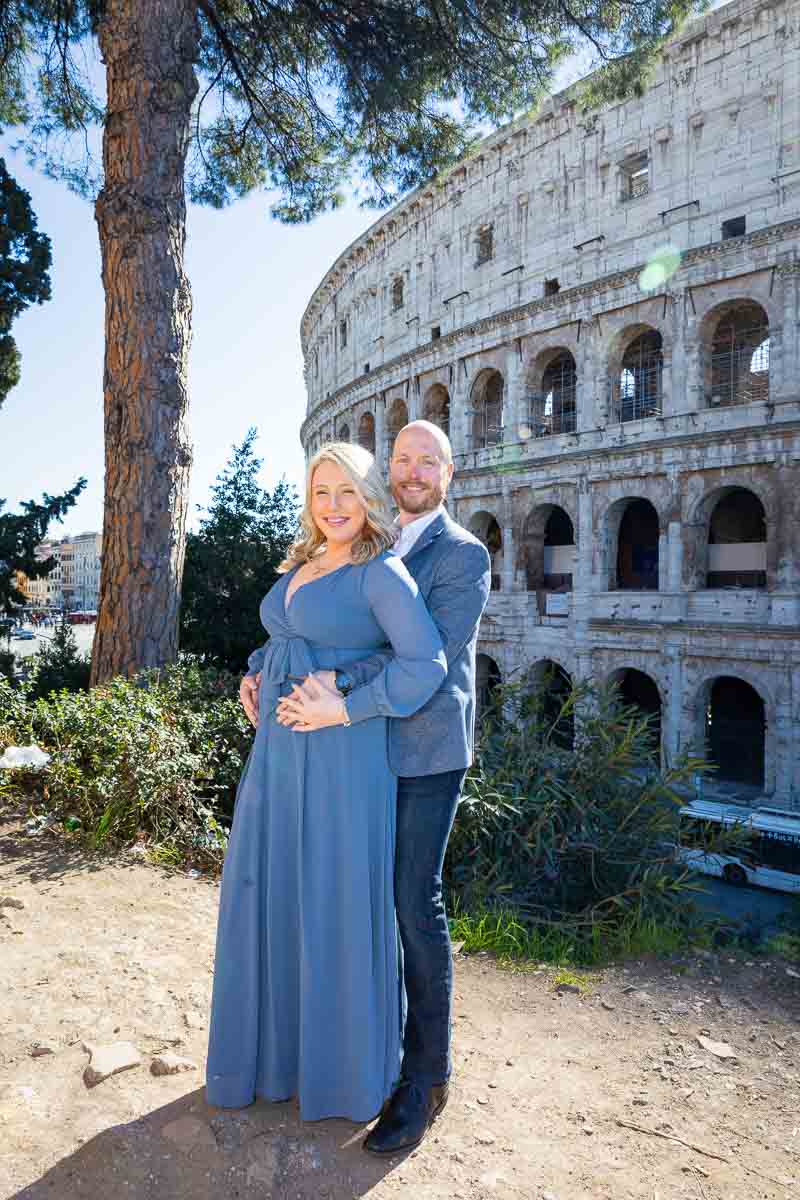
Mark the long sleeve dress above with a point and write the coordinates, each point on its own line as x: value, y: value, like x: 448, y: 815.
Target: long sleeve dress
x: 307, y: 984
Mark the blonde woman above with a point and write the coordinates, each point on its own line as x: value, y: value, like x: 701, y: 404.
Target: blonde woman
x: 307, y: 988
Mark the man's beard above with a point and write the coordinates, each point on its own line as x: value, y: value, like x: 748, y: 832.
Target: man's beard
x: 420, y: 502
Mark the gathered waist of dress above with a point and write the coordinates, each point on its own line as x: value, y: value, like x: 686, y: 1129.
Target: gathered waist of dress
x: 288, y: 659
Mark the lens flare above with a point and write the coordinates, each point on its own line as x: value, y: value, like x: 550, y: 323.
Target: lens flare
x: 525, y: 433
x: 662, y: 264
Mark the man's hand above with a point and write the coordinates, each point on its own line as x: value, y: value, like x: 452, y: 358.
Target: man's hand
x: 311, y: 706
x: 327, y: 679
x: 248, y: 697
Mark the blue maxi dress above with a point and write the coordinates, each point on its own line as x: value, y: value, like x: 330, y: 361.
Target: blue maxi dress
x: 307, y: 981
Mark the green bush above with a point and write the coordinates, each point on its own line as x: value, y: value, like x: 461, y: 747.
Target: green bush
x: 158, y: 756
x: 7, y: 660
x: 60, y: 665
x: 566, y: 823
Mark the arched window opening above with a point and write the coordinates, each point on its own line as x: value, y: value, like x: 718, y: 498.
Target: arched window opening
x: 735, y: 727
x: 487, y: 411
x: 484, y: 526
x: 559, y: 552
x: 344, y: 432
x: 637, y: 690
x: 548, y: 551
x: 737, y: 542
x: 397, y: 420
x: 637, y: 548
x: 437, y: 407
x: 487, y: 679
x: 552, y: 410
x: 366, y: 432
x: 550, y: 687
x: 740, y: 358
x: 637, y: 388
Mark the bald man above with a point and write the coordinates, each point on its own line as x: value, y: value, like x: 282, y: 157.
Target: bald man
x: 430, y: 753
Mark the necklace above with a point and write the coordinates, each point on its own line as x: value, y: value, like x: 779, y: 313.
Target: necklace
x: 323, y: 568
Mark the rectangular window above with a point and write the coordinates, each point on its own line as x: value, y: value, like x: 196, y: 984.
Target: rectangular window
x: 635, y: 177
x: 735, y: 227
x: 484, y: 245
x: 551, y: 287
x: 366, y: 368
x: 342, y: 334
x: 436, y: 333
x: 397, y: 294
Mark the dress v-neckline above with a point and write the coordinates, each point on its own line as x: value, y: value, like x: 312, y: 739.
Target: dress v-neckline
x: 288, y: 600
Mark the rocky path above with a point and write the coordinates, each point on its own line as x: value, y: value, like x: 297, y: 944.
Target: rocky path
x: 607, y: 1094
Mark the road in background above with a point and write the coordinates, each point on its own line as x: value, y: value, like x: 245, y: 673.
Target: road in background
x: 758, y: 910
x: 84, y: 635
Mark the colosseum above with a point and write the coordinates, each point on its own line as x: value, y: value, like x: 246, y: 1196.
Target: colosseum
x: 603, y: 311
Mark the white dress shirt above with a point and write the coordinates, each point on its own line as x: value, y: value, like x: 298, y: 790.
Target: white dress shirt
x: 410, y: 533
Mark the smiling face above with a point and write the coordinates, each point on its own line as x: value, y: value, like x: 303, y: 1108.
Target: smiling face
x: 336, y: 507
x: 420, y: 472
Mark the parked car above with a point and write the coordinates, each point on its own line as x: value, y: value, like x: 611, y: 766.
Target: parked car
x: 23, y: 635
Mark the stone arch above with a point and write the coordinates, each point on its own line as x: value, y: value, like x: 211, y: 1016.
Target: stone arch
x: 396, y: 419
x: 485, y: 526
x: 632, y: 537
x: 550, y: 683
x: 636, y: 370
x: 366, y: 432
x: 552, y: 384
x: 486, y: 406
x: 638, y: 689
x: 487, y: 679
x: 436, y: 406
x: 711, y: 534
x: 736, y: 342
x: 548, y: 549
x: 734, y: 716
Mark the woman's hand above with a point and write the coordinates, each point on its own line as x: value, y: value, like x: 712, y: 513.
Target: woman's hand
x: 311, y: 706
x: 248, y: 697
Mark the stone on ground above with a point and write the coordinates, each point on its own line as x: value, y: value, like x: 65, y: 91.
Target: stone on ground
x: 171, y: 1064
x: 109, y: 1060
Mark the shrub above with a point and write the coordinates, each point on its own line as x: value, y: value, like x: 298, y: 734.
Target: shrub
x: 576, y: 838
x: 60, y: 665
x: 157, y: 756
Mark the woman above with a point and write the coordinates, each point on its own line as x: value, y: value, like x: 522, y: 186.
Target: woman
x: 307, y: 987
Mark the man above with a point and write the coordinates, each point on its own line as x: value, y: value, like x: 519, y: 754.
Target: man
x: 430, y: 753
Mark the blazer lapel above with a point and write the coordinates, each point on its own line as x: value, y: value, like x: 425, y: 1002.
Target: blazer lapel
x: 434, y: 529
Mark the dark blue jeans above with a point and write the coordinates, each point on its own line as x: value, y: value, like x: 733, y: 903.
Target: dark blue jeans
x: 426, y: 806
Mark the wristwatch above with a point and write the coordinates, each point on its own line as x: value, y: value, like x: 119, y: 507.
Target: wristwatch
x: 344, y: 683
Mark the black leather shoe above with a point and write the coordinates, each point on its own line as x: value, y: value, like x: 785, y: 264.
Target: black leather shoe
x: 407, y: 1118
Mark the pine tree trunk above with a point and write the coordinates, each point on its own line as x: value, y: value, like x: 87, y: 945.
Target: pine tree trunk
x: 149, y: 48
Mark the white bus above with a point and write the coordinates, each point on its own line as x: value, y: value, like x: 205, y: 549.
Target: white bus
x: 764, y: 846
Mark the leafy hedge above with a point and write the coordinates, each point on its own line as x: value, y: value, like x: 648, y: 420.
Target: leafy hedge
x: 158, y: 756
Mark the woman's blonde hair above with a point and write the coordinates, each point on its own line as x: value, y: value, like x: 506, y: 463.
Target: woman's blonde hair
x: 378, y: 532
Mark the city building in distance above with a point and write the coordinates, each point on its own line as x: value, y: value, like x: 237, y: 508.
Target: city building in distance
x: 74, y: 583
x: 603, y: 310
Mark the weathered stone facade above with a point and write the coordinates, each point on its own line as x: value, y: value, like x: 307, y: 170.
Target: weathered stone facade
x: 627, y: 445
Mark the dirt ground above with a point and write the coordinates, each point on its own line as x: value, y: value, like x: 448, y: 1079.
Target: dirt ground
x: 557, y: 1096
